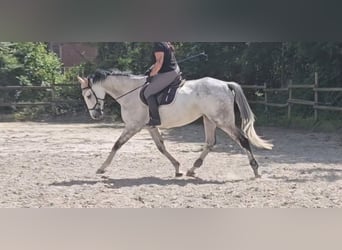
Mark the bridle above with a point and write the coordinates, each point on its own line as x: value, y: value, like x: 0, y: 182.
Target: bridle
x: 97, y: 99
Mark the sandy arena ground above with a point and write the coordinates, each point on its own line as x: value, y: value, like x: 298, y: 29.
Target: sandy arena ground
x: 53, y: 165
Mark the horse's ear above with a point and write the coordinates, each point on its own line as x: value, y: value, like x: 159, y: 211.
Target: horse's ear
x: 80, y: 79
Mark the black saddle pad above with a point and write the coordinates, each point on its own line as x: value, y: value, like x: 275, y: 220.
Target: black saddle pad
x: 167, y: 95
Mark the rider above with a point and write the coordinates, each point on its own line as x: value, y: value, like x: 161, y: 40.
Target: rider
x: 163, y: 72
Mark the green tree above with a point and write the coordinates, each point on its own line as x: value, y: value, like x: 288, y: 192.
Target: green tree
x: 9, y: 65
x: 39, y: 64
x: 134, y: 57
x: 28, y: 63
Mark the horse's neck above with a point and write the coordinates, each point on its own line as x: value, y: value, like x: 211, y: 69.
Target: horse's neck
x: 118, y: 86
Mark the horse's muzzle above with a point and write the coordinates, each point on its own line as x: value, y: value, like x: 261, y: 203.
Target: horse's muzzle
x: 96, y: 114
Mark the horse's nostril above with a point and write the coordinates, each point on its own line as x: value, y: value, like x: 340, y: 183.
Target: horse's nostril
x: 97, y: 114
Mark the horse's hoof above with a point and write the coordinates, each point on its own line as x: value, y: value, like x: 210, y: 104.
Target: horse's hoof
x: 100, y: 171
x: 179, y: 174
x: 257, y: 176
x: 190, y: 173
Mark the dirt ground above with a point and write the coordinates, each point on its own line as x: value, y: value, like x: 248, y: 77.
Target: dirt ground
x: 53, y: 165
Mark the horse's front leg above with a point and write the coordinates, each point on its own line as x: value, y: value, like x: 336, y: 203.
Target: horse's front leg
x: 124, y: 137
x: 158, y: 139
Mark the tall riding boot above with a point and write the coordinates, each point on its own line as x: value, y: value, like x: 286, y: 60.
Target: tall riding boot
x: 154, y: 113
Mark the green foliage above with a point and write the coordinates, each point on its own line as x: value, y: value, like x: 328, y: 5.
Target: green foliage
x: 30, y: 113
x: 9, y: 69
x: 8, y: 63
x: 135, y: 57
x: 39, y: 64
x: 28, y: 63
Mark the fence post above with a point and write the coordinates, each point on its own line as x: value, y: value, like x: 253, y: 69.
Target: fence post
x: 53, y: 97
x: 316, y: 97
x: 265, y: 93
x: 289, y: 105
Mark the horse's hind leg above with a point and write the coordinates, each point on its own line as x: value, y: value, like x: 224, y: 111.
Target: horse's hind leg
x: 237, y: 135
x: 124, y: 137
x: 209, y: 129
x: 157, y: 138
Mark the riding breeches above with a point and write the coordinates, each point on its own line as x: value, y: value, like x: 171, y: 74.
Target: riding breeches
x: 159, y: 82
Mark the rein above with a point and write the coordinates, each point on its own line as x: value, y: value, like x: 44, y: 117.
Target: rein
x: 129, y: 91
x: 117, y: 98
x: 105, y: 73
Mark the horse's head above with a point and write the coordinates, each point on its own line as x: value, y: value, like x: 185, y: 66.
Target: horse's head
x: 93, y: 95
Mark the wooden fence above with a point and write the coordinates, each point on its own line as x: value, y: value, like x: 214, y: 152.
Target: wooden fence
x: 291, y: 101
x: 267, y: 91
x: 52, y: 89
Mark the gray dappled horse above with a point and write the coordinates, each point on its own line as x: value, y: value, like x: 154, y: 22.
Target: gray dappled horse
x: 207, y: 97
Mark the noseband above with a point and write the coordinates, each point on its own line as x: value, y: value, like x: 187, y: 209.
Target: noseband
x: 97, y: 99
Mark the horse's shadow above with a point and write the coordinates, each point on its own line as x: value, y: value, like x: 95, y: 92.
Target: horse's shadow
x: 142, y: 181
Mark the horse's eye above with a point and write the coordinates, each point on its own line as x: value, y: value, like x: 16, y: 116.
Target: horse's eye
x: 88, y: 95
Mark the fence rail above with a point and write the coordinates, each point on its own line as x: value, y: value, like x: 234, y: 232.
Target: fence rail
x: 267, y: 92
x: 52, y: 89
x: 8, y: 104
x: 292, y: 101
x: 24, y: 87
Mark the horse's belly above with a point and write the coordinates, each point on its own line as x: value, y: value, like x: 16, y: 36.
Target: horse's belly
x: 177, y: 115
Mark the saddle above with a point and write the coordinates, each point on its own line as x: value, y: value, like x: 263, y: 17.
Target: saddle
x: 167, y: 95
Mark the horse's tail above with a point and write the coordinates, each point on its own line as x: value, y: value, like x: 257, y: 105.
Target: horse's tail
x: 248, y: 118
